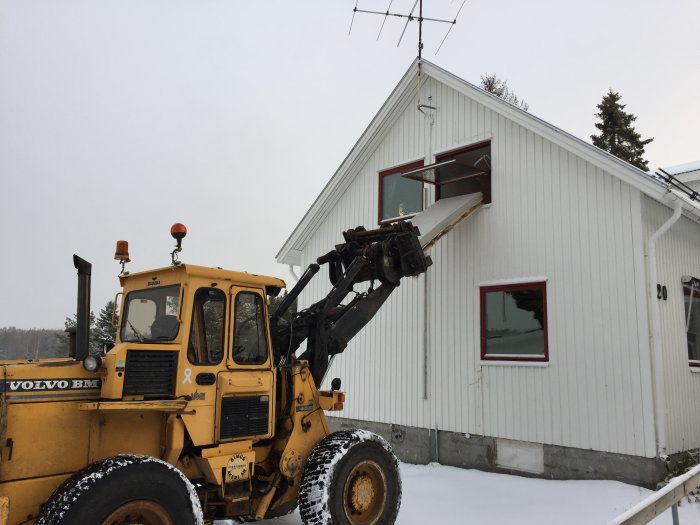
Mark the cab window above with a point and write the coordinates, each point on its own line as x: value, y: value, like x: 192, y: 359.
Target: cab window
x: 249, y: 344
x: 206, y: 344
x: 150, y: 315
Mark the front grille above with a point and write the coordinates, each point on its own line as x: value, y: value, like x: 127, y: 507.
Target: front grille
x: 150, y: 373
x: 244, y: 416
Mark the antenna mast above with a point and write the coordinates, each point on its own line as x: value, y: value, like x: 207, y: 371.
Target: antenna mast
x: 410, y: 17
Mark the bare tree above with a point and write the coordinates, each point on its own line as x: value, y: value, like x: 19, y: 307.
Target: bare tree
x: 500, y: 88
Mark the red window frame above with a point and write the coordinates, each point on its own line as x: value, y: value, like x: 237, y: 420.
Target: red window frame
x: 441, y: 157
x: 541, y: 285
x: 392, y: 171
x: 696, y: 294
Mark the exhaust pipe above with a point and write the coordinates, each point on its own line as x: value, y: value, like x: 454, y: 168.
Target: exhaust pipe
x: 82, y: 336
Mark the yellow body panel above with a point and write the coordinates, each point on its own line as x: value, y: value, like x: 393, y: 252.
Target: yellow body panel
x: 26, y: 495
x: 132, y: 432
x: 47, y: 438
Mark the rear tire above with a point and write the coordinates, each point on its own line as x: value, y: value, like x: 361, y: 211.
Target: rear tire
x: 351, y: 478
x: 124, y: 490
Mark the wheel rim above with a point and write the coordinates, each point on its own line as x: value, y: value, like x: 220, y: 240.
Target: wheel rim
x: 139, y: 512
x: 364, y: 496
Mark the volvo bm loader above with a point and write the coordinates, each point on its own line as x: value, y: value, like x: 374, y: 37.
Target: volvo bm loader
x: 206, y: 406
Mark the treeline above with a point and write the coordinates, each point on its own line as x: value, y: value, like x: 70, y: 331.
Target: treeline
x: 18, y: 343
x: 35, y: 343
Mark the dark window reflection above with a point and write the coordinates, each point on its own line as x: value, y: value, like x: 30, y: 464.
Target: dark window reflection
x: 514, y: 321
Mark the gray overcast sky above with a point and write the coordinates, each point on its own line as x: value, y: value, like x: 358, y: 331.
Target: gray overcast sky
x: 119, y: 118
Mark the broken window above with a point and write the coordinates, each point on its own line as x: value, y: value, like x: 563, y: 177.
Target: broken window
x: 691, y: 296
x: 399, y: 197
x: 514, y: 322
x: 458, y: 172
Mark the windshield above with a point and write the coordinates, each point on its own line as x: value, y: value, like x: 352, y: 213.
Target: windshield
x: 150, y: 315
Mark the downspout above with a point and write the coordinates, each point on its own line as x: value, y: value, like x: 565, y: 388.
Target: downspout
x: 657, y: 363
x: 291, y: 270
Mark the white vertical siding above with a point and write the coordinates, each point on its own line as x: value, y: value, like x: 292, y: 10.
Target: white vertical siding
x: 678, y: 254
x: 553, y: 215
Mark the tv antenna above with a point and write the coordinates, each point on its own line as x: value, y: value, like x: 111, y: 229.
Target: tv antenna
x: 410, y: 17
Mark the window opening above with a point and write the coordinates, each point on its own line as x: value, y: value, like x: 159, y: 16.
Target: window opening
x: 691, y: 299
x: 399, y: 197
x: 249, y: 342
x: 206, y: 344
x: 458, y: 172
x: 150, y: 315
x: 514, y: 322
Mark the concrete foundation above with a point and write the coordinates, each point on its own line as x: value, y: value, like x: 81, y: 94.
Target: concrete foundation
x: 421, y: 446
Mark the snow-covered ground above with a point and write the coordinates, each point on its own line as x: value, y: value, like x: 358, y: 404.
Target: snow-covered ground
x: 435, y: 494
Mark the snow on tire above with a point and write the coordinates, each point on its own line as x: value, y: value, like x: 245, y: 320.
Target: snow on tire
x: 124, y: 487
x: 351, y: 478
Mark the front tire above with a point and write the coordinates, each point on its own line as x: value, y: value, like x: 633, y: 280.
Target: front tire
x: 351, y: 478
x: 124, y: 490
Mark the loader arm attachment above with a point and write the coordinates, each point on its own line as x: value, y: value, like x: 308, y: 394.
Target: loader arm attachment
x: 380, y: 257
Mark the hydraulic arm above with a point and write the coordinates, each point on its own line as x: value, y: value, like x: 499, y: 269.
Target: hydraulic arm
x: 380, y: 257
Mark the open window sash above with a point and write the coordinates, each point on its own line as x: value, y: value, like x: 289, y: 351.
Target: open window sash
x: 430, y: 174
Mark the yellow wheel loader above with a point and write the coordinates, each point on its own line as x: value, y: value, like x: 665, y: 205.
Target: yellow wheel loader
x: 206, y: 405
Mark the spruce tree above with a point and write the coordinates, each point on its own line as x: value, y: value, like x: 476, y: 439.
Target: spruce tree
x: 103, y: 329
x: 617, y: 134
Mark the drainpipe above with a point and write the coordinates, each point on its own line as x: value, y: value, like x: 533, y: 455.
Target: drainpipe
x: 657, y: 363
x: 291, y: 270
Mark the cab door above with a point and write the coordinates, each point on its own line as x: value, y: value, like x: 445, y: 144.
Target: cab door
x: 246, y: 388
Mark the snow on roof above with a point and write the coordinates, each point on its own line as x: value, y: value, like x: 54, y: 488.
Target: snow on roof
x: 683, y: 168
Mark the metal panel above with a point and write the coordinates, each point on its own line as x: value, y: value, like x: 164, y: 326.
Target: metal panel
x: 150, y: 373
x: 553, y: 214
x: 678, y: 253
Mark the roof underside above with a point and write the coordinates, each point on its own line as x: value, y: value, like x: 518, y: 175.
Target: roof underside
x: 398, y: 100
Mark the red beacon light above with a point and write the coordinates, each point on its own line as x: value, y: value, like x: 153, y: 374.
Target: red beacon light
x: 178, y: 231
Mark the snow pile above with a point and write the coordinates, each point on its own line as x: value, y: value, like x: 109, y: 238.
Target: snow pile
x: 437, y: 495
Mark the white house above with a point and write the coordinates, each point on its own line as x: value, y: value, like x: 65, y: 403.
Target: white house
x: 552, y: 335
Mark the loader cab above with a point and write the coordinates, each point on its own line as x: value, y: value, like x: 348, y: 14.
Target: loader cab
x: 201, y: 334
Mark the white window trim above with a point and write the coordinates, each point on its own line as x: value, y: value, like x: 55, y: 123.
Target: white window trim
x: 517, y: 280
x: 402, y: 163
x: 536, y: 364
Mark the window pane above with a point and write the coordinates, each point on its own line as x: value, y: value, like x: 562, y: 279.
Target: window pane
x: 206, y: 344
x: 151, y: 315
x: 400, y: 196
x: 514, y: 322
x: 692, y: 319
x: 249, y: 346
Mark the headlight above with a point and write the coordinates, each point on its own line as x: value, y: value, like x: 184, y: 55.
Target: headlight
x: 92, y: 362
